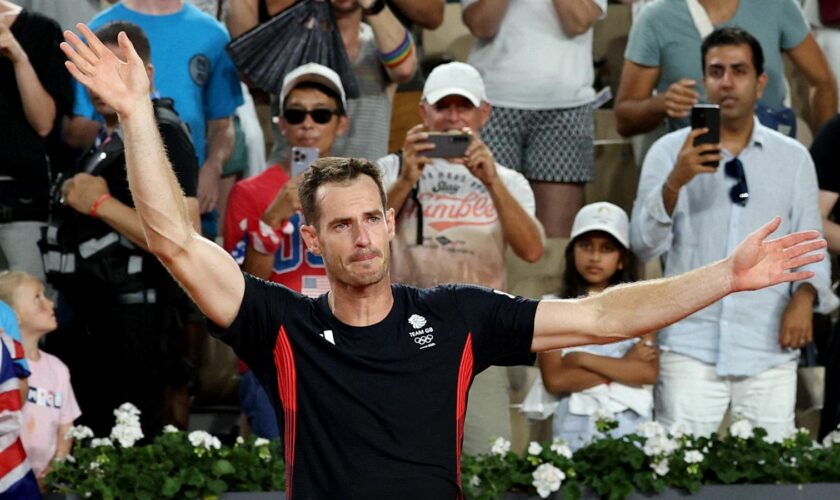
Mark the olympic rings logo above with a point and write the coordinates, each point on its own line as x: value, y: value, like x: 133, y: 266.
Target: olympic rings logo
x: 425, y: 339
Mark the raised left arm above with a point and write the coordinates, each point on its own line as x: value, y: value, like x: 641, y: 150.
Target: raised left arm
x: 809, y: 59
x: 427, y: 14
x: 394, y: 41
x: 577, y: 16
x: 638, y: 308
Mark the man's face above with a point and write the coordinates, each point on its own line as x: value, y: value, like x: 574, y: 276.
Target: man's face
x: 352, y: 233
x: 454, y: 112
x: 98, y: 104
x: 731, y: 81
x: 309, y: 133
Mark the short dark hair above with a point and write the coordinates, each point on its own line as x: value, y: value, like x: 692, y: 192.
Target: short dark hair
x: 108, y: 35
x: 334, y: 170
x: 733, y: 35
x: 331, y: 93
x: 574, y: 285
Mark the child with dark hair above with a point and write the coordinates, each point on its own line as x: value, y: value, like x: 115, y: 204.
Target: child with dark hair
x: 599, y: 379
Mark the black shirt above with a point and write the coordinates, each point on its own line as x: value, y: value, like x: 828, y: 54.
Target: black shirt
x: 110, y: 269
x: 826, y: 155
x: 377, y: 411
x: 23, y: 150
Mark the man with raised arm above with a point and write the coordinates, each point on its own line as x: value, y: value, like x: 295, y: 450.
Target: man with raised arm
x: 370, y: 380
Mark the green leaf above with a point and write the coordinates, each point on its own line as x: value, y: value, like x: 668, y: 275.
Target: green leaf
x: 223, y: 467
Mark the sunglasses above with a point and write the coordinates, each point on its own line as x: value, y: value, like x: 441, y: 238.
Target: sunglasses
x: 295, y: 116
x: 739, y: 193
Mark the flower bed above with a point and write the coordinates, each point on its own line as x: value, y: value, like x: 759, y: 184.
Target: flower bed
x: 653, y: 460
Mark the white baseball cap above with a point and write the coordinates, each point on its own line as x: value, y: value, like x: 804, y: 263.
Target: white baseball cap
x: 316, y: 73
x: 603, y: 216
x: 455, y: 78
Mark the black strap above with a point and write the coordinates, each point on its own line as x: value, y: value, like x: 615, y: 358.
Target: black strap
x: 415, y: 192
x: 262, y: 14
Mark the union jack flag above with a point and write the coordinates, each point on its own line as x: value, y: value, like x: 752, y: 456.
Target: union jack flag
x: 16, y: 477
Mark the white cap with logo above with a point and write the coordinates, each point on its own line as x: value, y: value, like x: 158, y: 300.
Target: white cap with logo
x: 455, y: 78
x: 603, y: 216
x: 315, y: 73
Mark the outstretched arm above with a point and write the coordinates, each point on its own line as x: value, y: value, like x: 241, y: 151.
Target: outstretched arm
x: 205, y: 270
x: 635, y: 309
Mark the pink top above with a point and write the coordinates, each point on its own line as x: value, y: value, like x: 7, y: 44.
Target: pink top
x: 49, y: 404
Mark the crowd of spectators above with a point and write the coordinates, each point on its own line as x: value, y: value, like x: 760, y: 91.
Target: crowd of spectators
x: 524, y: 97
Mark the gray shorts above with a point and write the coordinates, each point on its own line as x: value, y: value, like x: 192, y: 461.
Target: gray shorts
x: 547, y: 145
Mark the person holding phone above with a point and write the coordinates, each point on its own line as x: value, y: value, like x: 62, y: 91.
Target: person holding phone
x: 743, y: 350
x: 457, y: 215
x: 263, y: 215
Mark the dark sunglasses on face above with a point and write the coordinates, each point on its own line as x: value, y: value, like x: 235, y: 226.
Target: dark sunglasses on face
x: 295, y: 116
x: 739, y: 193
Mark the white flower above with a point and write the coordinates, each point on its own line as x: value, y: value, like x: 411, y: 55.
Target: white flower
x: 79, y: 432
x: 560, y: 447
x: 659, y: 445
x: 204, y: 439
x: 679, y: 429
x: 261, y: 442
x: 500, y: 447
x: 693, y: 457
x: 97, y: 442
x: 94, y: 466
x: 475, y: 481
x: 604, y: 414
x: 66, y: 458
x: 547, y: 479
x: 169, y: 429
x: 126, y: 411
x: 741, y: 429
x: 660, y: 467
x: 240, y: 440
x: 650, y: 429
x: 831, y: 439
x: 534, y: 448
x: 127, y: 434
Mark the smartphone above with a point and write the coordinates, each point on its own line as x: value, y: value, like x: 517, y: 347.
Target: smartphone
x: 448, y: 144
x: 707, y: 116
x: 303, y: 158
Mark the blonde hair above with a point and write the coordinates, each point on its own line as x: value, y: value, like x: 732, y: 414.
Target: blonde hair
x: 10, y: 281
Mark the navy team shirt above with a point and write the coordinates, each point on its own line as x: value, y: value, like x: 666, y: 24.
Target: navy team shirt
x: 376, y: 411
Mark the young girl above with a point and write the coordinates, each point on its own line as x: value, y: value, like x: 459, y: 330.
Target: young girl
x: 595, y: 379
x: 50, y: 407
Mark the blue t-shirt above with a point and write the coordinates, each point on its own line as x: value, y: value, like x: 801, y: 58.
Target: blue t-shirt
x: 191, y: 66
x: 9, y: 324
x: 665, y: 36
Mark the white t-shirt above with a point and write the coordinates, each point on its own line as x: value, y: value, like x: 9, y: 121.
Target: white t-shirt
x: 462, y: 235
x: 531, y: 63
x: 49, y: 404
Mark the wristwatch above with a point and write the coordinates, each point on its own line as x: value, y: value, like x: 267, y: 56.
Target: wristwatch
x: 375, y: 8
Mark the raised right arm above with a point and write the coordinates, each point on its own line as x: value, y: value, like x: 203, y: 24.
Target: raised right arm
x: 203, y: 269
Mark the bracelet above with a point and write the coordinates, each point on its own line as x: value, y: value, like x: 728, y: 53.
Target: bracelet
x: 670, y: 188
x: 398, y: 55
x: 99, y: 201
x: 375, y: 8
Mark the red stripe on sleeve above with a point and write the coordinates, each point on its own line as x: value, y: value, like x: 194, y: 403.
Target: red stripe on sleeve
x: 465, y: 377
x: 284, y: 361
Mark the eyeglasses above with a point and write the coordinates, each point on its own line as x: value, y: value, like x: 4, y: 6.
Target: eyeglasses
x: 295, y: 116
x: 739, y: 193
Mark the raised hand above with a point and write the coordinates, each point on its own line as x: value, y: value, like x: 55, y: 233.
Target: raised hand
x: 758, y: 262
x: 123, y: 85
x: 680, y: 97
